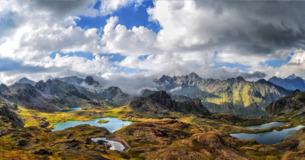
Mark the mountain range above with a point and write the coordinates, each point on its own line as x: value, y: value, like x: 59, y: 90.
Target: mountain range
x: 172, y: 122
x: 234, y: 95
x: 56, y: 94
x: 291, y: 82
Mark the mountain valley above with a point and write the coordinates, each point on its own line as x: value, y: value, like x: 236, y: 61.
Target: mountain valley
x: 167, y: 124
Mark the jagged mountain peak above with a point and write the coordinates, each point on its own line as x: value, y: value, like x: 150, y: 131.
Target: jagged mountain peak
x: 24, y: 80
x: 237, y: 79
x: 292, y: 82
x: 193, y: 75
x: 90, y: 81
x: 292, y: 76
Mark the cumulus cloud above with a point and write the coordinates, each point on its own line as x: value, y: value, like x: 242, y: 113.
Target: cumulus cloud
x: 295, y: 65
x: 118, y: 39
x: 256, y: 30
x: 131, y: 84
x: 108, y: 6
x: 247, y: 33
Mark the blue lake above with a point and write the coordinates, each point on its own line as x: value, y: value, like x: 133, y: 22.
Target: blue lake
x: 266, y: 125
x: 113, y: 124
x: 268, y: 137
x: 72, y: 109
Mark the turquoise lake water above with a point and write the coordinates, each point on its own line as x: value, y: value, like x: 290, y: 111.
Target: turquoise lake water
x: 266, y: 125
x: 268, y: 137
x: 113, y: 124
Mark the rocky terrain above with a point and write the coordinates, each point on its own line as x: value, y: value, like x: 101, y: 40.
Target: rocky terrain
x: 201, y: 138
x: 235, y: 95
x: 292, y: 106
x: 160, y: 104
x: 9, y: 120
x: 172, y: 139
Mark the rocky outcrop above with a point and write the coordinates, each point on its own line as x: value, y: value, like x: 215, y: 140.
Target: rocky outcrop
x: 9, y: 118
x: 293, y: 104
x: 160, y: 103
x: 114, y: 96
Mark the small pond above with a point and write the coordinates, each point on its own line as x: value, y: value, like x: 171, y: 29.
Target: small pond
x: 72, y: 109
x: 266, y: 125
x: 115, y: 145
x: 113, y: 124
x: 268, y: 137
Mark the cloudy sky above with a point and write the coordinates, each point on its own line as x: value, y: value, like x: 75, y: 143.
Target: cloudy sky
x: 128, y: 39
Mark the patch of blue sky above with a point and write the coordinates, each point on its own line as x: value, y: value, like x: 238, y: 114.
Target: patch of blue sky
x: 131, y: 16
x: 127, y: 70
x: 90, y: 56
x: 231, y: 65
x: 143, y: 57
x: 278, y: 63
x: 9, y: 65
x: 87, y: 55
x: 114, y: 57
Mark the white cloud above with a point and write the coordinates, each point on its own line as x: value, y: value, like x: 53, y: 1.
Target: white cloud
x: 191, y: 32
x: 108, y: 6
x: 295, y: 65
x: 118, y: 39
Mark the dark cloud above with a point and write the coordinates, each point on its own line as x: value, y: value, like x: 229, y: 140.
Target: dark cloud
x: 61, y: 8
x: 224, y: 74
x: 255, y: 75
x: 255, y: 27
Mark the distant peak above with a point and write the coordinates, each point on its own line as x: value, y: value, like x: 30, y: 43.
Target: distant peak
x: 293, y: 76
x: 193, y: 74
x: 164, y: 77
x: 24, y: 78
x: 240, y: 78
x: 274, y: 77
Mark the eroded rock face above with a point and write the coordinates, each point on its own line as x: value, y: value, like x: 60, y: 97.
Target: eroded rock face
x: 293, y: 103
x: 9, y: 119
x: 69, y: 144
x: 44, y: 124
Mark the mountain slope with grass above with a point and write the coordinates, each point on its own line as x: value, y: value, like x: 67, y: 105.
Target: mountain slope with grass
x: 234, y: 95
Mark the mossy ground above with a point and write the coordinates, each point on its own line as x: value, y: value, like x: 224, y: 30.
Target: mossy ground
x: 32, y: 118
